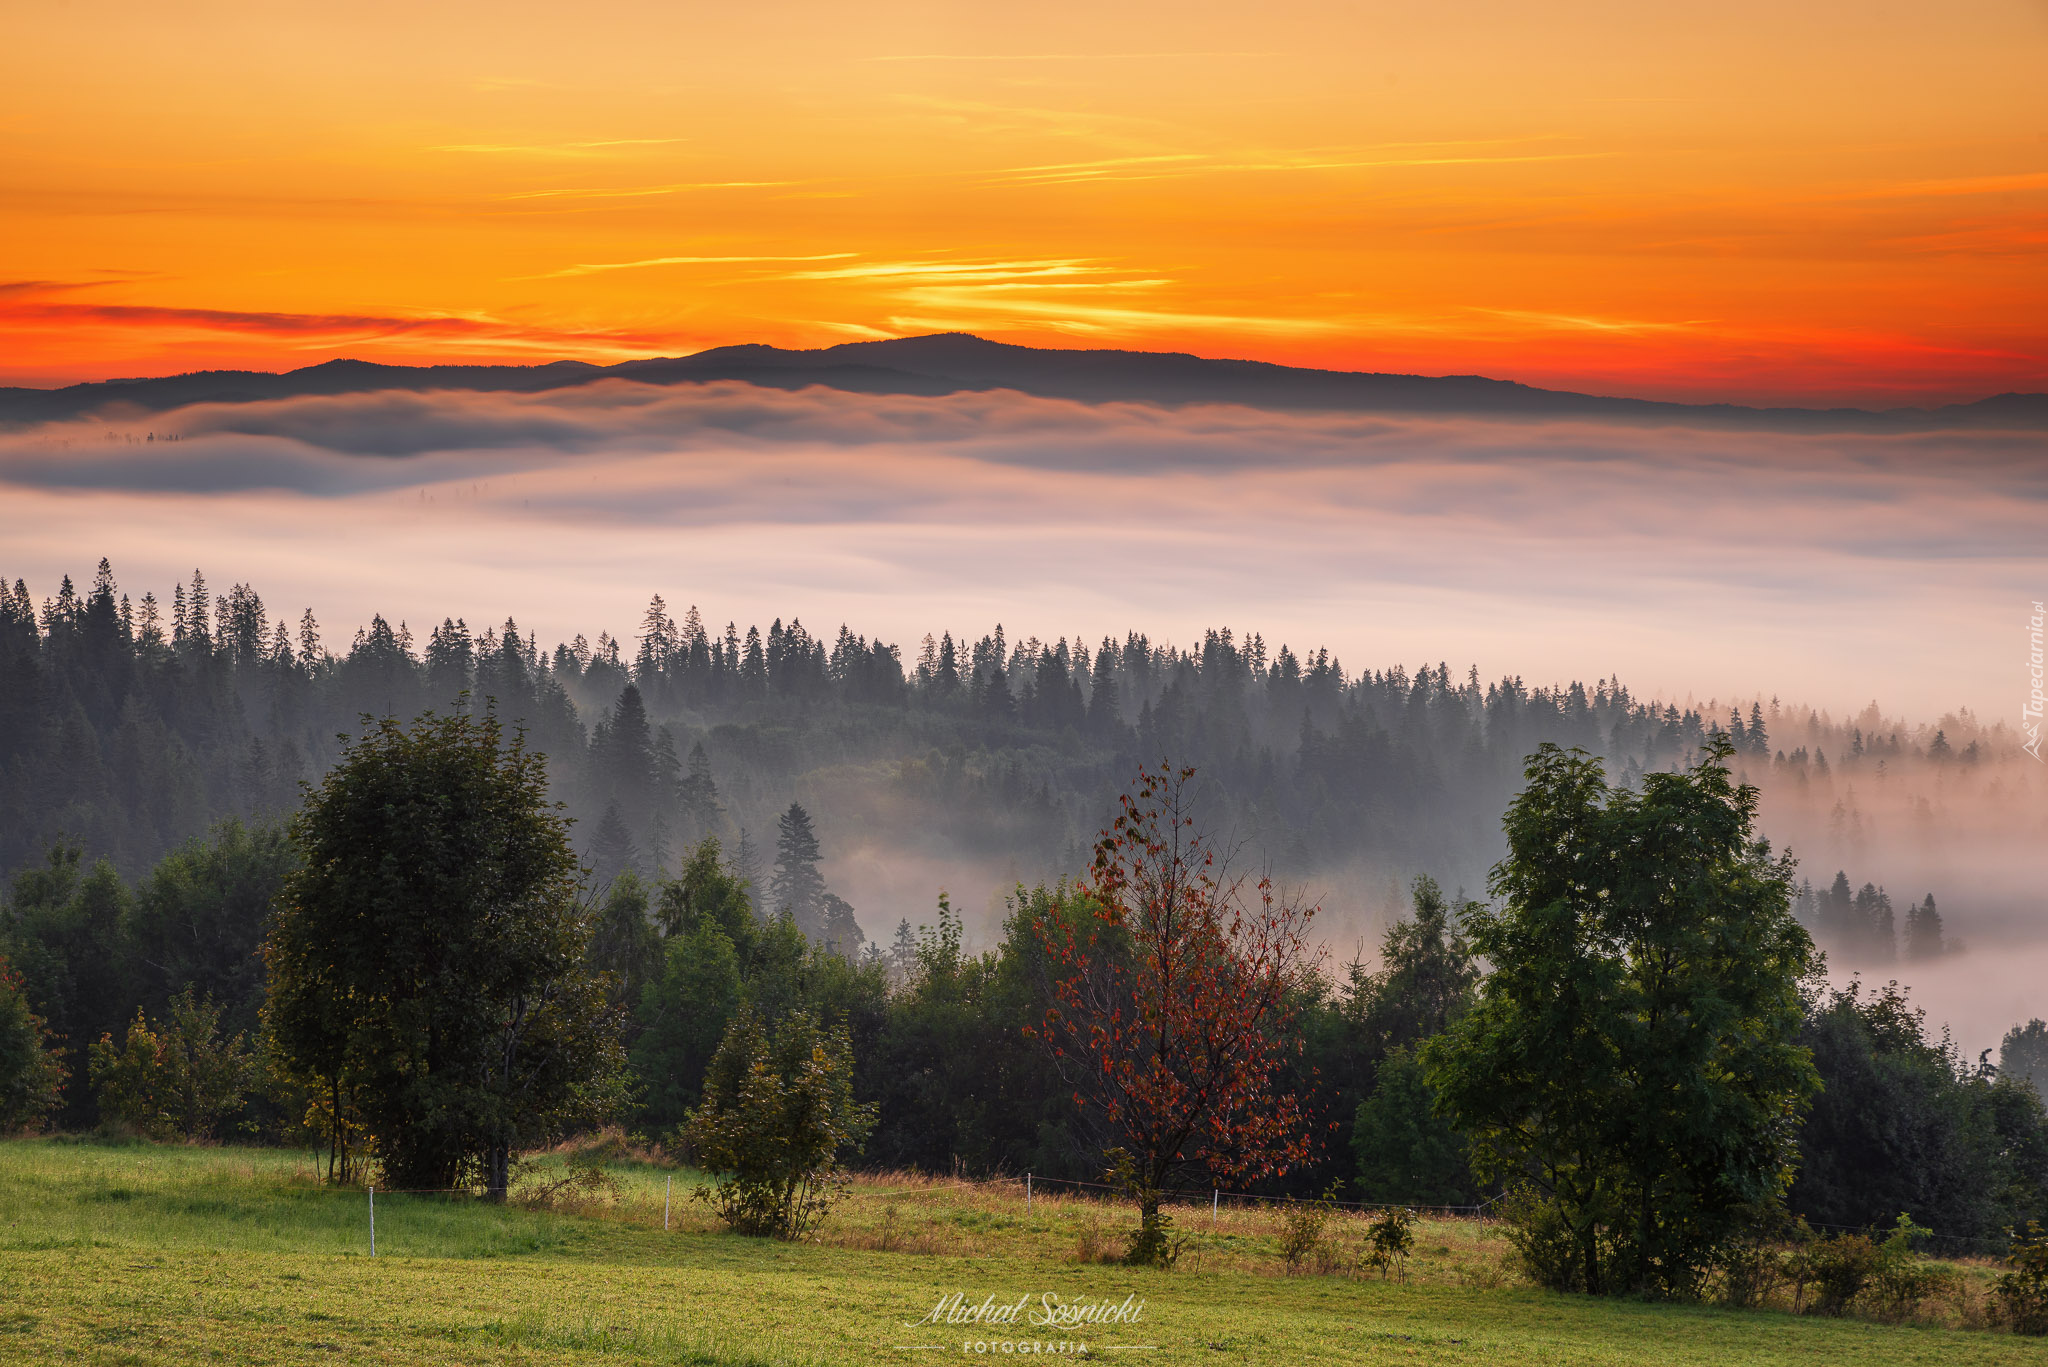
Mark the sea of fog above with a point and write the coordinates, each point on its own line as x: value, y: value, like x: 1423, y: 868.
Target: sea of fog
x: 1828, y: 569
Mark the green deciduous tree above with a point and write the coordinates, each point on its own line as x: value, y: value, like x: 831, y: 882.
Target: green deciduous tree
x: 31, y: 1067
x: 429, y: 957
x: 200, y: 917
x: 1906, y: 1123
x: 62, y: 932
x: 625, y: 943
x: 1631, y: 1061
x: 1405, y: 1150
x: 179, y: 1078
x: 2023, y: 1055
x: 778, y: 1114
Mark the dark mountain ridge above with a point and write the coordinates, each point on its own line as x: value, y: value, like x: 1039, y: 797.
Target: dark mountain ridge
x: 948, y: 363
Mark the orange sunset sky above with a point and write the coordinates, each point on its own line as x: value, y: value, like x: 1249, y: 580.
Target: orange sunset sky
x: 1806, y: 202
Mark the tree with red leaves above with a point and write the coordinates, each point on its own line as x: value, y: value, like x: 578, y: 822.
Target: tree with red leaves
x: 1173, y: 984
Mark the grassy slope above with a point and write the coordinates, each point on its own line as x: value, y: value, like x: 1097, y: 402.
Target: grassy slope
x: 143, y: 1255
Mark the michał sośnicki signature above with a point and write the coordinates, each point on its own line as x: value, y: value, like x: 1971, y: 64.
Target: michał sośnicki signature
x: 1047, y: 1310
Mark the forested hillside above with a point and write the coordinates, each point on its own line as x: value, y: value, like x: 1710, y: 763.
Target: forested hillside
x: 149, y: 754
x: 129, y: 724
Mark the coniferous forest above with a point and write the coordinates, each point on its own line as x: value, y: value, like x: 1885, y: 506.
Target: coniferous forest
x: 152, y: 752
x: 129, y: 724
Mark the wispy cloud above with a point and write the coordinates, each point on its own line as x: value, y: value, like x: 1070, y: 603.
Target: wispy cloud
x: 1061, y: 56
x: 1125, y: 132
x: 649, y: 191
x: 969, y: 310
x: 19, y: 289
x: 1569, y: 322
x: 1117, y: 168
x: 597, y: 147
x: 313, y: 331
x: 593, y: 268
x: 1185, y: 164
x: 1960, y: 185
x: 962, y: 272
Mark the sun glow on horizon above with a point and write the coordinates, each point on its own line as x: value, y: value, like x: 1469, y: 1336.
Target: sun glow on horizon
x: 1814, y: 205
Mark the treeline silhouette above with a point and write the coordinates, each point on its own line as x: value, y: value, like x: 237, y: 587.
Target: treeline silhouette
x: 131, y: 725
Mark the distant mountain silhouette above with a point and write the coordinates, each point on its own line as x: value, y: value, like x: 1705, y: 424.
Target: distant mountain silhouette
x: 953, y: 362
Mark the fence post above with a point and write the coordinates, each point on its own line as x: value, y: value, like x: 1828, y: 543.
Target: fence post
x: 666, y: 1193
x: 1027, y: 1193
x: 373, y: 1219
x: 1215, y: 1198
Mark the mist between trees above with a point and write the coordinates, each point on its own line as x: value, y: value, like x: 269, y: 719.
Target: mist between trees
x: 131, y: 724
x: 151, y: 994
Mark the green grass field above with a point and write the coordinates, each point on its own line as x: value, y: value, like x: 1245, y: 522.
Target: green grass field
x: 118, y: 1255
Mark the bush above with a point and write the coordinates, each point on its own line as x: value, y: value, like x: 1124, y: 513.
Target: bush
x: 1155, y: 1242
x: 1837, y: 1267
x: 1390, y: 1237
x: 584, y: 1177
x: 1888, y: 1276
x: 1543, y: 1240
x: 1751, y: 1267
x: 177, y: 1080
x: 778, y: 1111
x: 1092, y: 1244
x: 2023, y: 1292
x: 1302, y: 1242
x: 1899, y: 1281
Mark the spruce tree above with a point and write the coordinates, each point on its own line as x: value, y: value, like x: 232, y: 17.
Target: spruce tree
x: 1103, y: 713
x: 838, y: 929
x: 197, y: 606
x: 1923, y: 931
x: 612, y: 852
x: 310, y: 653
x: 797, y: 888
x: 450, y: 659
x: 902, y: 956
x: 746, y: 864
x: 625, y: 756
x: 1838, y: 908
x: 699, y: 795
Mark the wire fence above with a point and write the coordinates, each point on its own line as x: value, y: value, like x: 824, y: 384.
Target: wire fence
x: 1216, y: 1196
x: 1217, y: 1199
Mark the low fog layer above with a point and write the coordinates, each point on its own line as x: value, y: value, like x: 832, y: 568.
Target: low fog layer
x: 1838, y: 568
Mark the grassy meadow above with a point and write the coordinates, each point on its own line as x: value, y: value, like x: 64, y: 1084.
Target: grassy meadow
x: 133, y: 1255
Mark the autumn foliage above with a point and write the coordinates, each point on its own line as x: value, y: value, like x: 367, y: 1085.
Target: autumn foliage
x: 1173, y: 984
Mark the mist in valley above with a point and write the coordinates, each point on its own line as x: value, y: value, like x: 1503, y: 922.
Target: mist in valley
x: 1622, y: 587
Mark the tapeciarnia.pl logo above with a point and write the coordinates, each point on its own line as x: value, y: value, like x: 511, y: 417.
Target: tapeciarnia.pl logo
x: 2030, y: 715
